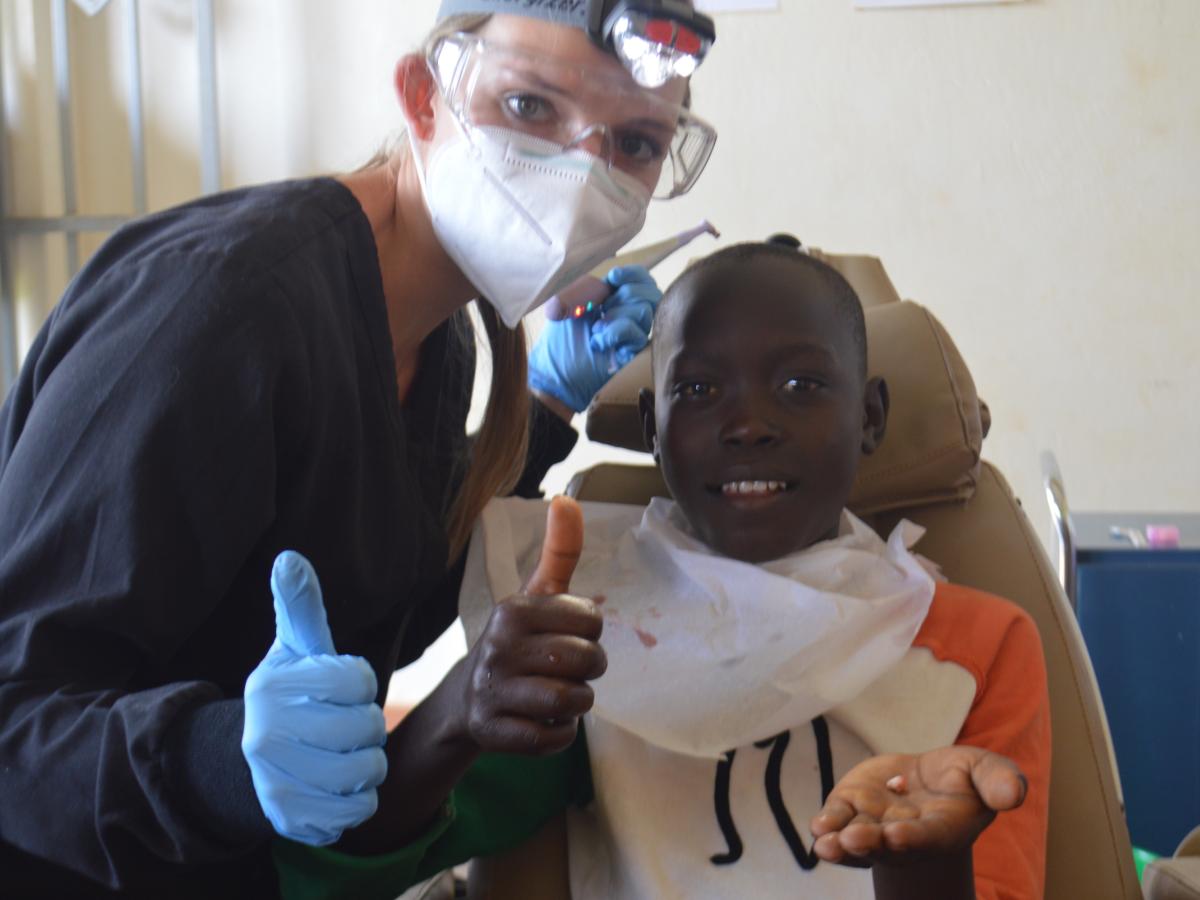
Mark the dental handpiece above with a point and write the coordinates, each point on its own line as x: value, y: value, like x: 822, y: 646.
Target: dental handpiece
x: 588, y: 292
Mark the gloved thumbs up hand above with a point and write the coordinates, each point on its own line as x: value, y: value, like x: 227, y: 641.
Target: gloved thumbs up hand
x: 300, y: 623
x: 313, y: 734
x: 526, y: 677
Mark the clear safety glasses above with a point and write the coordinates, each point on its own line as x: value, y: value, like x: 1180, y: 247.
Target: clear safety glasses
x: 647, y: 134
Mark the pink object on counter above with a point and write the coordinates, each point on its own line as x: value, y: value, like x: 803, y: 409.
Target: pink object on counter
x: 1162, y: 537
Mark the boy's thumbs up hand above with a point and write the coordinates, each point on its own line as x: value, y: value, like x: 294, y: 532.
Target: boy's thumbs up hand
x: 313, y: 733
x: 526, y: 677
x: 561, y: 549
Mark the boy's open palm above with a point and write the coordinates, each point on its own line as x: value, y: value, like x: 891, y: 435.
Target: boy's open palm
x: 940, y: 803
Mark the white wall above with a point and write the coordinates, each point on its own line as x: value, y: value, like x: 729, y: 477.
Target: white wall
x: 1031, y: 172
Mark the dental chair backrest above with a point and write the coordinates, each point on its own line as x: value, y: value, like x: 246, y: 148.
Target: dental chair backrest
x: 929, y: 470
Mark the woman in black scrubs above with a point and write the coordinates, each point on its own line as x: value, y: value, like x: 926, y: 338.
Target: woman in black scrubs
x: 289, y: 367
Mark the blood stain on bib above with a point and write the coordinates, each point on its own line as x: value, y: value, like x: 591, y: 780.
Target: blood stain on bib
x: 648, y: 640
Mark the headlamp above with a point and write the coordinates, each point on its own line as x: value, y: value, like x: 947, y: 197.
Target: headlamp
x: 656, y: 40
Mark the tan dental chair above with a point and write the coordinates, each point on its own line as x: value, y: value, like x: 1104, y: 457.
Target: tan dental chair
x: 929, y: 470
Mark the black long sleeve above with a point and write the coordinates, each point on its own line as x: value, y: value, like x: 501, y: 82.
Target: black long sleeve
x: 550, y: 440
x: 136, y: 479
x: 216, y: 386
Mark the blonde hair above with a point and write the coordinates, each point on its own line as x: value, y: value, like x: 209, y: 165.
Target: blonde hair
x: 502, y: 442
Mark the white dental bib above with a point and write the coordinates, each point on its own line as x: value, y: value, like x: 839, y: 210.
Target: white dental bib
x: 706, y: 653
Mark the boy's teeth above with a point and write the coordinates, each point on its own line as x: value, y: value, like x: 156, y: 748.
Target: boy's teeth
x: 753, y: 487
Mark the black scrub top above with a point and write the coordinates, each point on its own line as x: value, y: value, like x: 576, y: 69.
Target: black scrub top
x: 217, y: 385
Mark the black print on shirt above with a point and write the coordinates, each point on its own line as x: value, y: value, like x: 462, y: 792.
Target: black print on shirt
x: 805, y: 857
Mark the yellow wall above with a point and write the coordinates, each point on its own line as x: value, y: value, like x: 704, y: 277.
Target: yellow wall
x: 1031, y: 172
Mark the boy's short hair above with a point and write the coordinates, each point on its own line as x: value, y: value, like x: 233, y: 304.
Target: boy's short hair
x: 848, y: 305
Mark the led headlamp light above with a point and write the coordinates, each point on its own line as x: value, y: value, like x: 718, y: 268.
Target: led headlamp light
x: 656, y: 40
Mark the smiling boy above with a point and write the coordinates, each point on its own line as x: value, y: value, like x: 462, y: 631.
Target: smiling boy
x: 771, y: 661
x: 761, y: 410
x: 766, y: 408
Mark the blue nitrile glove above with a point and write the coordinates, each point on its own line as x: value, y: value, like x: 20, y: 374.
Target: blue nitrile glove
x: 574, y: 358
x: 314, y: 733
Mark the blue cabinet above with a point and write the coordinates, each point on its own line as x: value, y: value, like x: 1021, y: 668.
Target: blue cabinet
x: 1139, y: 611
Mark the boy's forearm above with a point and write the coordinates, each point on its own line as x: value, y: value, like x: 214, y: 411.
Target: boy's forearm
x: 948, y: 877
x: 426, y: 759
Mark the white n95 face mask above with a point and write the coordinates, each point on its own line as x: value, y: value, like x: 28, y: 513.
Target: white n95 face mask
x: 522, y: 218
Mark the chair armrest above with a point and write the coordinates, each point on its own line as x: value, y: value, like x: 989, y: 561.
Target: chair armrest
x: 1177, y: 878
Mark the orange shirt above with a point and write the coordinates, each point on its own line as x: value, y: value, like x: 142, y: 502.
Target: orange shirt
x: 998, y: 644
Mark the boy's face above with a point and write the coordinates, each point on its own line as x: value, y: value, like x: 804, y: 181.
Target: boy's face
x: 761, y: 411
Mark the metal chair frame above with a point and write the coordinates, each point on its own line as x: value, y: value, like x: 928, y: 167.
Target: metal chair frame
x: 1064, y: 529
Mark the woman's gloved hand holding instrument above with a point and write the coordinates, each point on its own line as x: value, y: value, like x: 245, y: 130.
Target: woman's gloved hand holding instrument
x: 314, y: 734
x: 574, y: 357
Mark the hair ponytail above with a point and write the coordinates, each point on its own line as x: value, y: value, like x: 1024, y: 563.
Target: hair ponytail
x: 500, y: 447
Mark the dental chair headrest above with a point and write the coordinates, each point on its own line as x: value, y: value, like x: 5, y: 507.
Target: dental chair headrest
x: 931, y: 451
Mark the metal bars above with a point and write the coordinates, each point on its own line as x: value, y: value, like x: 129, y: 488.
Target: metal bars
x: 71, y: 224
x: 137, y: 133
x: 210, y: 148
x: 60, y: 39
x: 8, y: 310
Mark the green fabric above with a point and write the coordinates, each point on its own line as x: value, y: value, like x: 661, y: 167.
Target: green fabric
x: 502, y: 801
x: 1141, y: 859
x: 318, y: 873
